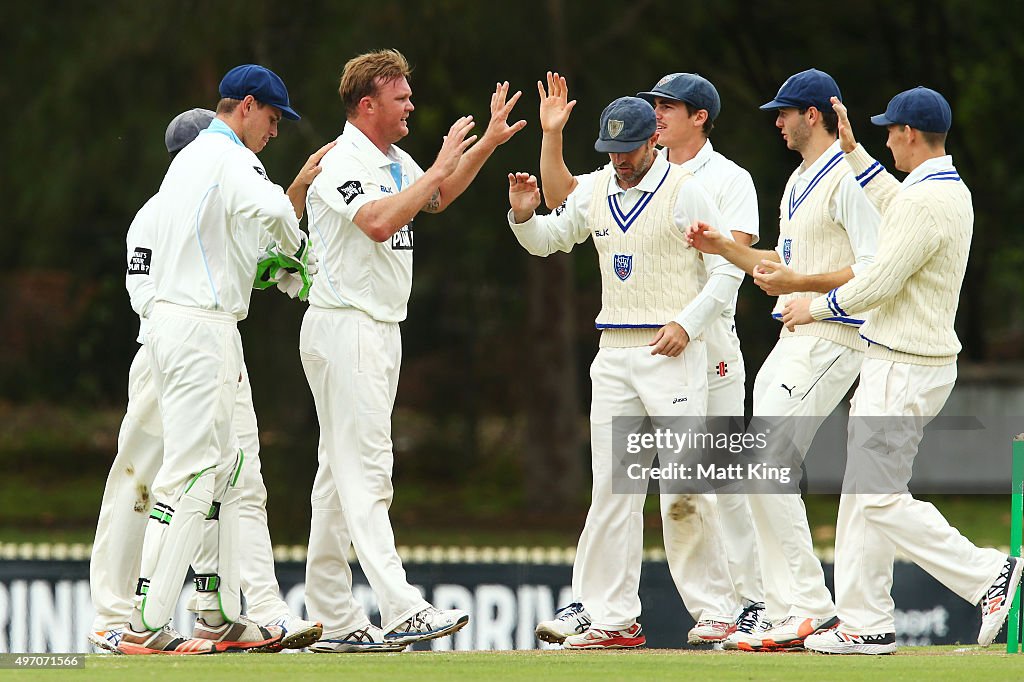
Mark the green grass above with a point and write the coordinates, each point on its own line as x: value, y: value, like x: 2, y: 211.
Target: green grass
x: 918, y: 663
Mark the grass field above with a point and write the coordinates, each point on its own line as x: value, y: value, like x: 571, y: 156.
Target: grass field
x: 913, y: 663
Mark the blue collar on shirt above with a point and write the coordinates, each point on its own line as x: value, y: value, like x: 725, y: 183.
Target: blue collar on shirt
x: 830, y: 162
x: 219, y: 127
x: 938, y: 168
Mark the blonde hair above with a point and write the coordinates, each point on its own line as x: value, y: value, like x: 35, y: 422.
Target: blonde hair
x: 363, y: 75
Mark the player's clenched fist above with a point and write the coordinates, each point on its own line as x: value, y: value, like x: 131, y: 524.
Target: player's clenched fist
x: 523, y: 195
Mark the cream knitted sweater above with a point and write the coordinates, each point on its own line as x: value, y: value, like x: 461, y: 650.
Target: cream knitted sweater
x: 913, y: 287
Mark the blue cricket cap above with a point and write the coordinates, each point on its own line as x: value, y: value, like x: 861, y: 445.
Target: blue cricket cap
x: 810, y: 88
x: 691, y: 88
x: 260, y: 82
x: 920, y: 108
x: 626, y: 124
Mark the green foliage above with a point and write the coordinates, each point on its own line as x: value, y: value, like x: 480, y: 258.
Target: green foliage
x: 91, y: 86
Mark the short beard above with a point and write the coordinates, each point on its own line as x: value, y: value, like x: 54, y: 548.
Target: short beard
x: 645, y: 164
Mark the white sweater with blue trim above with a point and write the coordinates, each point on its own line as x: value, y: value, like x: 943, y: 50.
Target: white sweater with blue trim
x: 913, y: 287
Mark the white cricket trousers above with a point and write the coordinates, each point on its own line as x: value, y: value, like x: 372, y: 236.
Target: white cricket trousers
x: 352, y: 364
x: 196, y: 361
x: 117, y: 549
x: 631, y: 383
x: 877, y: 515
x: 803, y: 379
x: 726, y: 531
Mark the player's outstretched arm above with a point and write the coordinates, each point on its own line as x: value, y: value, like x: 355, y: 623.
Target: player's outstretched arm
x: 707, y: 239
x: 300, y: 185
x: 555, y: 107
x: 776, y: 279
x: 498, y: 133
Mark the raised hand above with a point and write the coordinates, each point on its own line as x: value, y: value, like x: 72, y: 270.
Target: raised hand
x: 704, y: 238
x: 523, y: 195
x: 454, y: 146
x: 846, y: 139
x: 554, y: 105
x: 498, y: 130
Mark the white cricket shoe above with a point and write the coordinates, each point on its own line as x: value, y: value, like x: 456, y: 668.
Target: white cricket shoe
x: 630, y: 638
x: 998, y: 599
x: 298, y: 633
x: 790, y: 632
x: 367, y: 639
x: 106, y: 641
x: 708, y: 631
x: 836, y: 641
x: 569, y: 620
x: 430, y: 623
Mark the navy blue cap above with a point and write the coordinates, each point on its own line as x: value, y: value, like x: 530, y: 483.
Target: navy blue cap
x: 810, y: 88
x: 920, y: 108
x: 691, y: 88
x: 185, y: 127
x: 626, y: 124
x: 260, y: 82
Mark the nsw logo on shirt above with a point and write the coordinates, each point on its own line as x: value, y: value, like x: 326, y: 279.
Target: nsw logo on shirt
x: 623, y: 265
x: 350, y: 190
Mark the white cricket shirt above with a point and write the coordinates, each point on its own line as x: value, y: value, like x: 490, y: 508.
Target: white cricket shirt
x: 355, y: 271
x: 210, y: 213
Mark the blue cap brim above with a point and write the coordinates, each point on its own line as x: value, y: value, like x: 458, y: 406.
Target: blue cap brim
x: 289, y: 113
x: 881, y: 120
x: 649, y: 96
x: 778, y: 104
x: 617, y: 146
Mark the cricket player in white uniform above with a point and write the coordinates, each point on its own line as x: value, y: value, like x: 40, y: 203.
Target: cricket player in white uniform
x: 212, y: 210
x: 361, y: 209
x: 827, y: 233
x: 658, y: 297
x: 909, y: 370
x: 117, y: 548
x: 686, y: 106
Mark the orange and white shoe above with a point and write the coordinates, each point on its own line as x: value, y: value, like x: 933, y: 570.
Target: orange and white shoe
x: 630, y: 638
x: 164, y: 641
x: 790, y: 633
x: 242, y: 635
x: 106, y: 641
